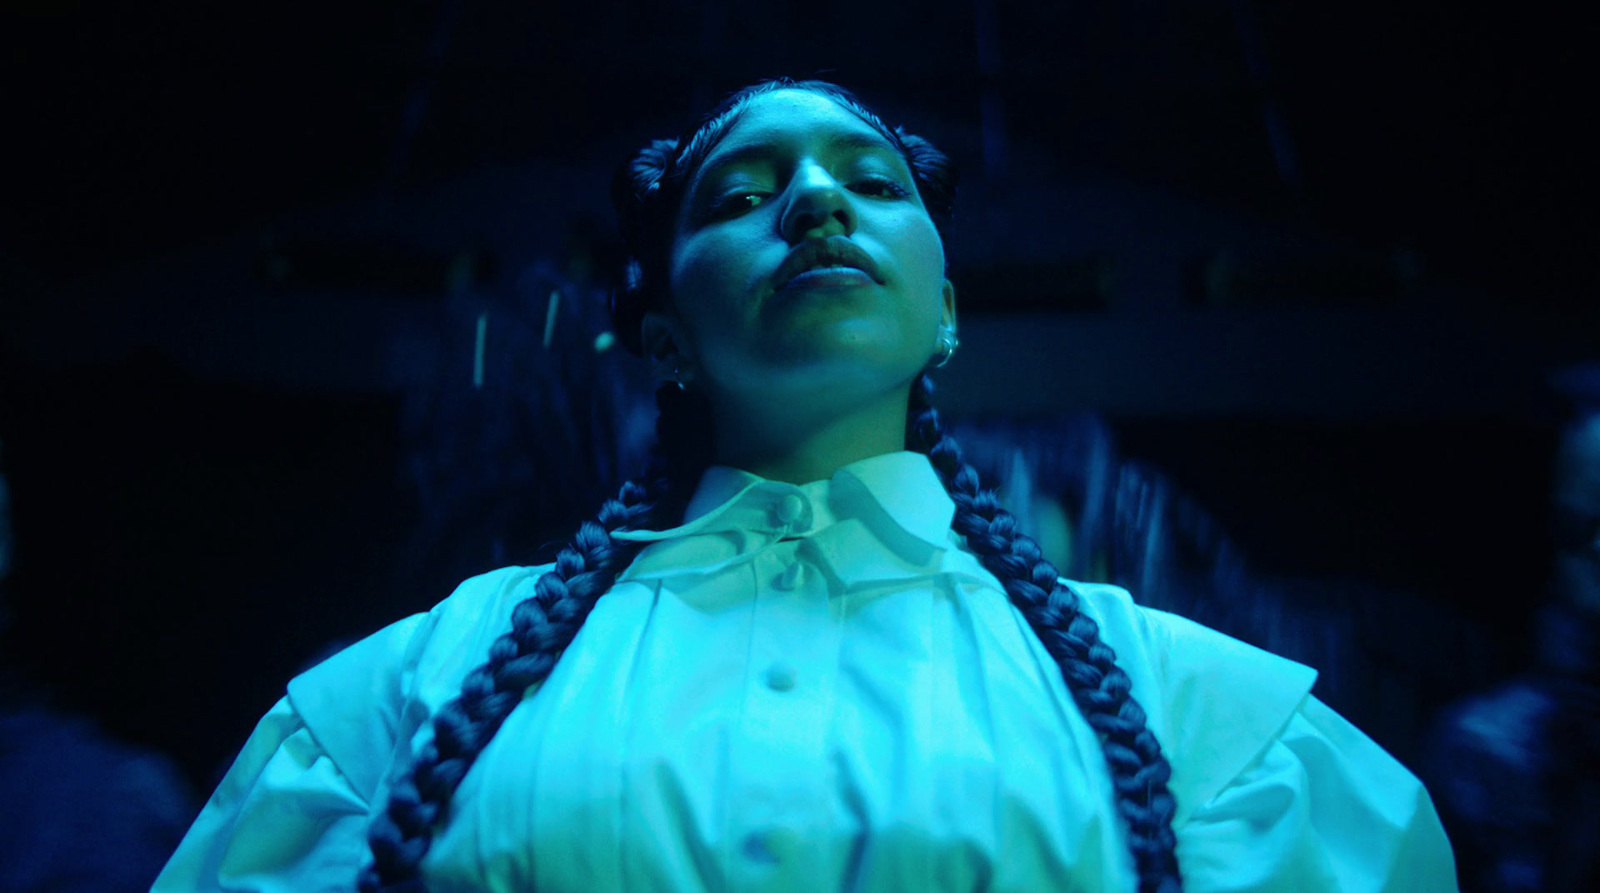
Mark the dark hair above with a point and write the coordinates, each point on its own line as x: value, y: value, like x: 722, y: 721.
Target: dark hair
x: 646, y: 193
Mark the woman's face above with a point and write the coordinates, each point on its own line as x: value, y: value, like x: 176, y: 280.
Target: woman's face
x: 798, y: 183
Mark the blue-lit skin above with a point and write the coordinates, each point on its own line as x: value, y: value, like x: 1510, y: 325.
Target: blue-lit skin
x: 817, y: 375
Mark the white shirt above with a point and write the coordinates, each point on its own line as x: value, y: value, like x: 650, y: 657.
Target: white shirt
x: 814, y: 688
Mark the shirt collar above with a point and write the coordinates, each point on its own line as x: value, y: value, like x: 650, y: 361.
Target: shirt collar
x: 899, y: 488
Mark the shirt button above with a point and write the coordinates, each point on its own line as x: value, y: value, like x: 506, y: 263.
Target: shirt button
x: 790, y: 578
x: 780, y: 677
x: 783, y: 843
x: 771, y: 846
x: 789, y: 509
x: 756, y: 850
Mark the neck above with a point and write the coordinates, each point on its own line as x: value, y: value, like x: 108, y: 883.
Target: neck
x: 781, y: 442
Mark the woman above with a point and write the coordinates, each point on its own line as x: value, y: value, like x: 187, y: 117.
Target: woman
x: 824, y: 658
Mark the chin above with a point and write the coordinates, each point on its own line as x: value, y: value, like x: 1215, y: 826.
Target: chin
x: 848, y: 373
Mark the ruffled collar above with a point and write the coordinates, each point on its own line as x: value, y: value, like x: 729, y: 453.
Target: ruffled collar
x: 901, y: 488
x: 896, y: 497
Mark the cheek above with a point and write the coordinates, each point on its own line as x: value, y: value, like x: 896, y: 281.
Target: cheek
x: 708, y: 270
x: 923, y: 267
x: 923, y: 251
x: 687, y: 275
x: 708, y: 287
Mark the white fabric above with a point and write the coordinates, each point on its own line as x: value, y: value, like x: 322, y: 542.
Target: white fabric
x: 814, y: 688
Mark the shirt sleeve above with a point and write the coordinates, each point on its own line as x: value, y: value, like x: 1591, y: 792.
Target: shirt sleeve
x: 292, y: 813
x: 1275, y: 790
x: 285, y: 819
x: 1323, y: 808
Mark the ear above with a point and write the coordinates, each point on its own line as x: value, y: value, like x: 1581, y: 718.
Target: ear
x: 949, y: 304
x: 661, y: 337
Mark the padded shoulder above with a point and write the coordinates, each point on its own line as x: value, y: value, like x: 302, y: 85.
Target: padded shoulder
x: 365, y: 702
x: 1214, y: 703
x: 351, y: 702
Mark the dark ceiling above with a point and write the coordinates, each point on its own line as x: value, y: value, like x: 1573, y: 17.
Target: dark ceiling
x: 1449, y: 129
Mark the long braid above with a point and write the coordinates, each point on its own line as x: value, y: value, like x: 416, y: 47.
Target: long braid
x: 542, y: 626
x: 1101, y: 689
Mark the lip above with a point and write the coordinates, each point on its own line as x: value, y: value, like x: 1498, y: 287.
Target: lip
x: 814, y: 254
x: 829, y: 278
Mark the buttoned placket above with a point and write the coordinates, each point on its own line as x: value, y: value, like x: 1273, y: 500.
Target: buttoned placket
x: 778, y: 755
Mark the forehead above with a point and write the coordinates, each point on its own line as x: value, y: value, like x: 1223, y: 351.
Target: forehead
x: 786, y: 119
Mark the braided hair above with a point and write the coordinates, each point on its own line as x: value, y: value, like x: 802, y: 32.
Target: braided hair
x: 1101, y: 689
x: 542, y: 626
x: 646, y: 193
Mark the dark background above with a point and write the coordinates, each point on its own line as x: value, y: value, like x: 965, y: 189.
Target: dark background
x: 1313, y: 261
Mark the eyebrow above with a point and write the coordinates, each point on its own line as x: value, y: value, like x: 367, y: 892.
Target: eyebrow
x: 758, y: 151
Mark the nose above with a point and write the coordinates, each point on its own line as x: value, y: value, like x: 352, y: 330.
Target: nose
x: 818, y: 206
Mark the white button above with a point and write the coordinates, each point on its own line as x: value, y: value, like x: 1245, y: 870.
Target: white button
x: 783, y: 843
x: 780, y: 677
x: 756, y: 849
x: 790, y: 578
x: 772, y: 845
x: 790, y: 508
